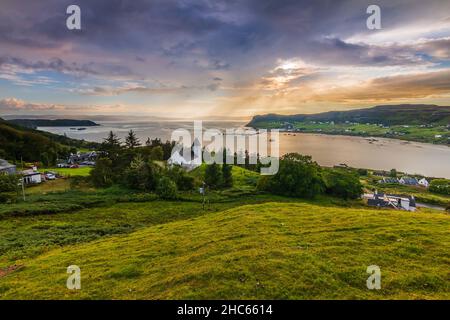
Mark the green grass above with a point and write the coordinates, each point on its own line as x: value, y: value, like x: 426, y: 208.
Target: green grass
x: 38, y: 203
x: 266, y: 251
x: 57, y: 185
x: 70, y: 172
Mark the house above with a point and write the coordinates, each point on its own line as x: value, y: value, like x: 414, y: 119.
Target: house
x: 389, y: 180
x: 408, y: 181
x: 6, y: 167
x: 31, y: 176
x: 381, y: 200
x: 82, y: 157
x: 424, y: 183
x: 380, y: 173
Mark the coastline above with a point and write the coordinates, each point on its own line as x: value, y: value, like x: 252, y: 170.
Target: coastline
x: 343, y: 134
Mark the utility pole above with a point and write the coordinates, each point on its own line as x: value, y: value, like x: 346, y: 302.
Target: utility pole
x: 203, y: 192
x: 23, y: 184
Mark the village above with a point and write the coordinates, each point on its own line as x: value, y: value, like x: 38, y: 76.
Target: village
x: 31, y: 175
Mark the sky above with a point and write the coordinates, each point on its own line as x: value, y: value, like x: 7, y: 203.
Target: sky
x: 200, y: 59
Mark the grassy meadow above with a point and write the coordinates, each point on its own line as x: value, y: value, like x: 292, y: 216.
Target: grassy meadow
x: 274, y: 250
x: 241, y: 244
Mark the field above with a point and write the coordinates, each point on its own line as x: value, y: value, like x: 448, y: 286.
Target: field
x: 265, y: 251
x: 242, y: 244
x: 70, y: 172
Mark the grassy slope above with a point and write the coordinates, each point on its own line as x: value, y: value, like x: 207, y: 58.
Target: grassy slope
x: 273, y: 250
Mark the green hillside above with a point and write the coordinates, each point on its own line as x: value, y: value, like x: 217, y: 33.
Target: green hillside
x: 413, y: 114
x: 266, y: 251
x: 17, y: 142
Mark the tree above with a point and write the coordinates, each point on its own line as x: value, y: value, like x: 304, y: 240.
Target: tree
x: 135, y: 176
x: 166, y: 188
x: 102, y: 174
x: 131, y: 141
x: 111, y: 146
x: 227, y: 175
x: 393, y: 173
x: 157, y: 153
x: 298, y: 176
x: 343, y: 183
x: 213, y: 177
x: 112, y: 140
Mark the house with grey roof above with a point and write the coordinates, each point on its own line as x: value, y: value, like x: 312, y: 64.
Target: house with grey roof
x: 389, y: 180
x: 408, y: 181
x: 6, y: 167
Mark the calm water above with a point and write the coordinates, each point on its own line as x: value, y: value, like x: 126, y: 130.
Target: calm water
x: 385, y: 154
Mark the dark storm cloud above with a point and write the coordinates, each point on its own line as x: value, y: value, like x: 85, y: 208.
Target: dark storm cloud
x: 214, y: 35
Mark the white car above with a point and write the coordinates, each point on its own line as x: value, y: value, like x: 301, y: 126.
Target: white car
x: 50, y: 176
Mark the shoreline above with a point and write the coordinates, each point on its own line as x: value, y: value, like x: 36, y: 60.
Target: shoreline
x: 356, y: 135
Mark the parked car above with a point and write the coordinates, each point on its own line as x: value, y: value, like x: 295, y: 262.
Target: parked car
x: 50, y: 176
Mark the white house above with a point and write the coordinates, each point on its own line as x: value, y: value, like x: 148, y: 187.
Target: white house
x: 424, y: 182
x: 391, y: 201
x: 31, y: 177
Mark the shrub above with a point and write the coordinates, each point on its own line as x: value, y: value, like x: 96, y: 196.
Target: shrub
x: 166, y: 188
x: 8, y: 183
x: 181, y: 178
x: 441, y: 186
x: 362, y: 172
x: 102, y: 174
x: 344, y: 184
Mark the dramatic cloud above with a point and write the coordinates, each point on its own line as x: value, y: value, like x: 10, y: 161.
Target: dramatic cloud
x: 203, y: 56
x: 14, y: 105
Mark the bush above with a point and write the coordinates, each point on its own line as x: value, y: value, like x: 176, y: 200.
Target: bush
x: 343, y: 184
x: 363, y: 172
x: 441, y: 186
x: 166, y: 188
x: 141, y: 175
x: 8, y: 183
x: 298, y: 176
x: 102, y: 174
x: 181, y: 178
x: 213, y: 176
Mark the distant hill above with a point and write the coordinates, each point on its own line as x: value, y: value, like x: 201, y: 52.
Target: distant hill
x: 34, y: 123
x: 413, y: 114
x: 17, y: 142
